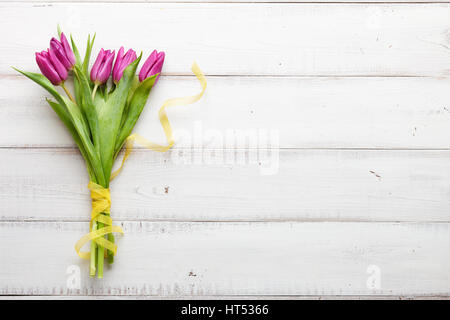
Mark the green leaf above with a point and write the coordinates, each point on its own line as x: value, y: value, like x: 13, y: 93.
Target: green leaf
x: 75, y: 51
x: 82, y: 128
x: 68, y: 110
x: 110, y: 116
x: 77, y: 89
x: 43, y: 82
x: 65, y: 118
x: 135, y: 107
x: 87, y: 55
x: 79, y: 63
x: 133, y: 88
x: 87, y: 104
x: 90, y: 111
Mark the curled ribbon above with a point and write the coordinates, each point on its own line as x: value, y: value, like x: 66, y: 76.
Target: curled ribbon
x: 101, y: 199
x: 129, y: 142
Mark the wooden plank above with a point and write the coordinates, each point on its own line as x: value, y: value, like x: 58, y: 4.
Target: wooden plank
x: 180, y: 259
x: 241, y: 297
x: 284, y: 39
x: 298, y: 112
x: 307, y: 185
x: 230, y: 1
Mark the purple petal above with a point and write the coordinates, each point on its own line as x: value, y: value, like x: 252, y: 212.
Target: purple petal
x: 97, y: 64
x: 47, y: 68
x: 157, y: 67
x: 152, y: 65
x: 131, y: 55
x: 147, y: 65
x: 118, y: 63
x: 58, y: 49
x: 105, y: 70
x: 59, y: 67
x: 68, y: 50
x: 127, y: 59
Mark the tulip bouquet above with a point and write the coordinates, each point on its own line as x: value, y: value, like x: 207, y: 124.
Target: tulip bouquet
x: 100, y: 116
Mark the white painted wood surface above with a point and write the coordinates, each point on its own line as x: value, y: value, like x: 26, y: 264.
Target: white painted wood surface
x: 231, y: 1
x: 306, y: 112
x: 171, y: 259
x: 310, y: 185
x: 247, y: 39
x: 358, y: 95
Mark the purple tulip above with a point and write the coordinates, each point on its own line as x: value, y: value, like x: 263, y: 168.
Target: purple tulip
x: 51, y: 67
x: 101, y: 70
x: 63, y: 51
x: 152, y: 65
x: 122, y: 61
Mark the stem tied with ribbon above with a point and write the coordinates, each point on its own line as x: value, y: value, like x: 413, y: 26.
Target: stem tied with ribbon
x: 101, y: 201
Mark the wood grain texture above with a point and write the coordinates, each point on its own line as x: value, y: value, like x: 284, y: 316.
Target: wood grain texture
x: 304, y: 112
x: 310, y: 185
x: 172, y: 259
x: 246, y: 39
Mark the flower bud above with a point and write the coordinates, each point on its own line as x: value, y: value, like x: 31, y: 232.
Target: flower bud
x: 101, y: 70
x: 152, y: 65
x: 122, y: 61
x: 51, y: 67
x: 63, y: 52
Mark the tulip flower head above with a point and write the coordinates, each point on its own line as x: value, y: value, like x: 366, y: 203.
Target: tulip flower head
x: 152, y: 65
x: 101, y: 70
x: 51, y: 67
x: 122, y: 61
x: 63, y: 51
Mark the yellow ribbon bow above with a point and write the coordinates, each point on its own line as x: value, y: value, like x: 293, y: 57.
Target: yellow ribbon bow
x: 101, y: 199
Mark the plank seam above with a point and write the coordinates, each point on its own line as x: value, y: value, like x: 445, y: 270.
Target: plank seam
x: 141, y: 149
x: 268, y: 296
x: 229, y: 2
x: 282, y: 76
x: 248, y: 221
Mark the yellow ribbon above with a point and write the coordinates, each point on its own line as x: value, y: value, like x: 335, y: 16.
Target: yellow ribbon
x: 101, y: 205
x: 129, y: 142
x: 101, y: 199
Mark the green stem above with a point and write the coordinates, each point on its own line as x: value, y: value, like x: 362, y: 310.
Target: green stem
x: 94, y: 91
x: 100, y: 256
x: 93, y: 254
x: 110, y: 253
x: 67, y: 92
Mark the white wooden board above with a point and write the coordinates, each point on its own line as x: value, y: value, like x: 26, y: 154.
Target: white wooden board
x: 224, y: 297
x: 246, y: 39
x: 302, y: 112
x: 309, y: 185
x: 357, y: 97
x: 171, y: 259
x: 230, y: 1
